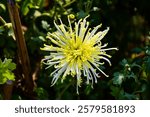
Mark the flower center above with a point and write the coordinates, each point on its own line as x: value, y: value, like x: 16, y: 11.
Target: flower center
x: 79, y: 51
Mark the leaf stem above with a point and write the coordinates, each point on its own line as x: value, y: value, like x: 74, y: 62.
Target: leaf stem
x: 2, y: 20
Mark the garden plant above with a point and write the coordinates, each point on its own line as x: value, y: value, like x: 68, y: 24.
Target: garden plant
x: 75, y: 49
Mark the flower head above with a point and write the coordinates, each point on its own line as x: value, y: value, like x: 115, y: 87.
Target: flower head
x: 77, y: 51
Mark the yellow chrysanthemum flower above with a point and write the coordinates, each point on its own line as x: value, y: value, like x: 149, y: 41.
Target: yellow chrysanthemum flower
x: 77, y: 52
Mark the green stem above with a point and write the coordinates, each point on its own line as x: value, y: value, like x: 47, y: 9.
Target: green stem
x: 2, y: 20
x: 68, y: 4
x: 60, y: 95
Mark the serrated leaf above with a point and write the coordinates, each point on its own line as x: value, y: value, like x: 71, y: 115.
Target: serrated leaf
x: 6, y: 68
x: 123, y: 62
x: 6, y: 63
x: 118, y: 78
x: 8, y: 75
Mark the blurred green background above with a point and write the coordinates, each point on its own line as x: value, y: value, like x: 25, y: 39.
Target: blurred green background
x: 129, y: 23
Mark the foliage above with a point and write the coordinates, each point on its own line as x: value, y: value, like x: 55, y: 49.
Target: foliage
x: 132, y: 81
x: 41, y: 93
x: 6, y: 68
x: 129, y: 22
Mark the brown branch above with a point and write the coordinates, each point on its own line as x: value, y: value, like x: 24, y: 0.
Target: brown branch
x: 22, y: 49
x: 8, y: 88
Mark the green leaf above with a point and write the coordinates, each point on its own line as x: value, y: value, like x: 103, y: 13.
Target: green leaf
x: 129, y: 96
x: 142, y: 89
x: 137, y: 50
x: 135, y: 65
x: 8, y: 64
x: 148, y: 51
x: 1, y: 63
x: 8, y: 75
x: 12, y: 66
x: 124, y: 62
x: 38, y: 3
x: 2, y: 8
x: 3, y: 80
x: 116, y: 92
x: 132, y: 75
x: 41, y: 93
x: 45, y: 25
x: 25, y: 8
x: 118, y: 78
x: 147, y: 65
x: 6, y: 68
x: 1, y: 29
x: 81, y: 14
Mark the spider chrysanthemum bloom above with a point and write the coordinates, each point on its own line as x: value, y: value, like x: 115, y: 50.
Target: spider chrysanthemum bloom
x: 77, y: 51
